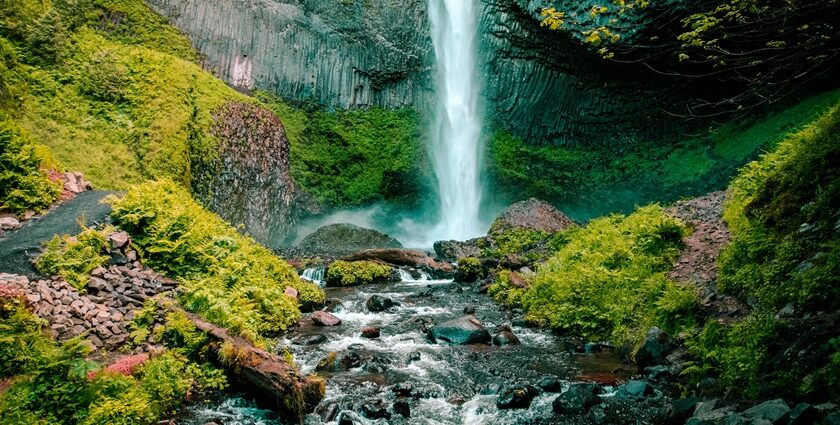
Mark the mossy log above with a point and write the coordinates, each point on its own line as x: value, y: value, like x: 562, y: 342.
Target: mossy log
x: 402, y: 257
x: 266, y: 375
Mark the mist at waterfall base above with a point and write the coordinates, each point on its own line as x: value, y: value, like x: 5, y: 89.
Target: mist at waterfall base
x: 454, y: 148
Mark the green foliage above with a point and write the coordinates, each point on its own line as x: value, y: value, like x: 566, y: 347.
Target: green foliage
x: 784, y: 250
x: 53, y: 385
x: 504, y: 292
x: 227, y: 278
x: 75, y: 257
x: 469, y: 270
x: 355, y: 157
x: 353, y: 273
x: 24, y: 184
x: 607, y: 178
x: 609, y: 280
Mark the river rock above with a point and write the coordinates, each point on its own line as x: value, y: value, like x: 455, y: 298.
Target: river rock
x: 775, y: 411
x: 375, y: 409
x: 310, y: 340
x: 576, y: 400
x: 531, y: 214
x: 402, y: 408
x: 505, y: 337
x: 550, y: 385
x: 634, y: 389
x: 119, y: 240
x: 518, y: 397
x: 453, y: 250
x: 335, y: 362
x: 345, y: 237
x: 323, y: 318
x: 9, y: 223
x: 802, y: 414
x: 378, y: 303
x: 370, y: 332
x: 405, y: 257
x: 461, y: 331
x: 656, y: 347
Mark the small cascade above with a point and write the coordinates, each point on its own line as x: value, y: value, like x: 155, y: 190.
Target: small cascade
x: 418, y: 276
x: 314, y: 275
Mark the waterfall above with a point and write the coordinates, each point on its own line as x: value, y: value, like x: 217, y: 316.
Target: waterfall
x: 455, y: 142
x: 314, y: 275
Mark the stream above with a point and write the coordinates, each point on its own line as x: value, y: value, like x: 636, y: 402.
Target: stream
x: 402, y: 371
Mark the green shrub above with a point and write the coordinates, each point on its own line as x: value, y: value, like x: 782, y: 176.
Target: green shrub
x: 469, y: 270
x: 781, y: 211
x: 21, y: 338
x: 130, y: 407
x: 24, y: 184
x: 504, y: 292
x: 75, y: 257
x: 609, y: 281
x: 353, y: 273
x: 227, y: 278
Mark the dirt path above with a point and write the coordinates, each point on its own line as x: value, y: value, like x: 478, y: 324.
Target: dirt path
x: 18, y: 245
x: 698, y: 262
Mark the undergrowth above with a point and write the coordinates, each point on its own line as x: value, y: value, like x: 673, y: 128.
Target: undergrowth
x: 226, y: 277
x: 353, y: 273
x: 24, y: 181
x: 75, y: 257
x: 608, y: 281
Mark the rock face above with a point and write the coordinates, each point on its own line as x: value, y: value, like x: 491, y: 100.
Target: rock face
x: 249, y: 183
x: 345, y: 237
x: 531, y: 214
x: 461, y: 331
x: 540, y: 84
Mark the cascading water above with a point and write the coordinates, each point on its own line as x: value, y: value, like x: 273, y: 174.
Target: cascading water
x: 455, y: 145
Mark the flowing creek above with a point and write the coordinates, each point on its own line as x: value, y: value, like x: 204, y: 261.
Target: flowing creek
x: 448, y: 384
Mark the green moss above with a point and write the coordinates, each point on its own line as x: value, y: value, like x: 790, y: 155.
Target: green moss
x: 609, y: 280
x: 353, y: 273
x: 355, y: 157
x: 227, y: 278
x: 469, y: 270
x: 600, y: 179
x: 75, y: 257
x: 24, y: 184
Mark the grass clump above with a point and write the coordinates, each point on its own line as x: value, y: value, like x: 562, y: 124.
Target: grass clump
x: 608, y: 282
x: 355, y: 157
x: 354, y: 273
x: 24, y: 182
x: 53, y: 383
x: 782, y: 211
x: 75, y: 257
x: 226, y: 277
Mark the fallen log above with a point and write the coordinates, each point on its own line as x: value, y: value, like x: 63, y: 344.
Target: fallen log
x: 266, y: 375
x: 403, y: 257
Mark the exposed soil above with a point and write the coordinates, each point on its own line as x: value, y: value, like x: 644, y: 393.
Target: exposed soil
x: 697, y: 264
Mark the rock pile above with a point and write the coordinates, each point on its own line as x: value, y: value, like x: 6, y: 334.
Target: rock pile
x: 103, y: 312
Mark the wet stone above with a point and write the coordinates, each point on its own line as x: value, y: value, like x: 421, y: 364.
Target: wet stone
x: 576, y: 400
x: 519, y: 397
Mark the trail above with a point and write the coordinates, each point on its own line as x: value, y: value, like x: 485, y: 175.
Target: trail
x: 17, y: 246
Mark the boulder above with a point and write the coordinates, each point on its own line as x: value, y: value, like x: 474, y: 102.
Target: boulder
x: 118, y: 240
x: 404, y: 257
x: 336, y: 361
x: 505, y: 337
x: 291, y: 292
x: 518, y: 397
x: 323, y: 318
x: 453, y: 250
x: 656, y: 347
x: 345, y: 237
x: 803, y: 413
x: 402, y: 408
x: 550, y: 385
x: 532, y: 214
x: 378, y: 303
x: 774, y: 411
x: 375, y: 409
x: 310, y: 340
x: 576, y: 400
x: 634, y: 389
x: 9, y: 223
x: 370, y: 332
x: 461, y: 331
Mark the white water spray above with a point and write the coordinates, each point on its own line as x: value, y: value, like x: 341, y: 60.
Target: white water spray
x: 455, y: 146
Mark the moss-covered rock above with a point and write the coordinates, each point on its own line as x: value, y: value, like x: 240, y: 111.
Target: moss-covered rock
x: 354, y: 273
x: 469, y: 269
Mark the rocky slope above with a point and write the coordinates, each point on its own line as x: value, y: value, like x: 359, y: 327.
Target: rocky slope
x: 539, y: 84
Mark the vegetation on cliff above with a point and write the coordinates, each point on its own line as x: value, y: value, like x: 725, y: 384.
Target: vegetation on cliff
x: 594, y: 180
x: 355, y: 157
x: 227, y: 278
x: 785, y: 254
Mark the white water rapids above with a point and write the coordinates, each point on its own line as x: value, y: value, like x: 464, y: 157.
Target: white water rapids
x: 455, y: 144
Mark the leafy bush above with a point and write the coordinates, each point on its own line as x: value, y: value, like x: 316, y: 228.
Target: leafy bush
x: 21, y: 338
x: 609, y: 280
x: 75, y: 257
x: 469, y: 270
x: 782, y: 211
x: 353, y: 273
x: 227, y: 278
x: 504, y: 292
x: 24, y: 184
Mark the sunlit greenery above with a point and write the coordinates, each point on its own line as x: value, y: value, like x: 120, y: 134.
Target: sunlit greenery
x: 353, y: 273
x: 226, y: 277
x: 24, y: 183
x: 74, y: 257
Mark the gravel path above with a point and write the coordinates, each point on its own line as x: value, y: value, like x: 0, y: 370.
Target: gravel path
x: 18, y: 245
